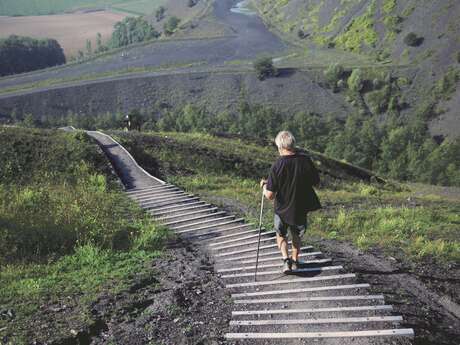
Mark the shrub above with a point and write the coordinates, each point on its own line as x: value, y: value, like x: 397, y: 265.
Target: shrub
x: 334, y: 73
x: 264, y: 68
x: 355, y: 81
x: 160, y: 13
x: 132, y: 30
x: 171, y: 25
x: 378, y: 100
x: 413, y: 40
x: 447, y: 85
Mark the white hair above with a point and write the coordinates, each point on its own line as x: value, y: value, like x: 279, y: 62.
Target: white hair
x: 285, y: 140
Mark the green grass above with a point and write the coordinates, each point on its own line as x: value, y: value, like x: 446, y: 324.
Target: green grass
x: 364, y: 214
x: 377, y: 219
x: 74, y: 281
x: 361, y: 31
x: 67, y: 233
x: 42, y: 7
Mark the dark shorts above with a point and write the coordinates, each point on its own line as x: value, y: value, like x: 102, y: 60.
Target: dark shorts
x: 282, y: 228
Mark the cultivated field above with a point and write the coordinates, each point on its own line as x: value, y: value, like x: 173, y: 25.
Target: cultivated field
x: 71, y: 30
x: 43, y: 7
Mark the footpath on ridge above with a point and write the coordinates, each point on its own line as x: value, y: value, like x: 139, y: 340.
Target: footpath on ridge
x: 318, y: 303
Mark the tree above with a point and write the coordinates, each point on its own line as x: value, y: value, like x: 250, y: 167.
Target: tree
x: 29, y: 121
x: 264, y: 68
x: 99, y: 45
x: 160, y: 13
x: 132, y: 30
x: 89, y: 49
x: 413, y: 40
x: 333, y: 74
x: 355, y: 81
x: 23, y: 54
x: 171, y: 25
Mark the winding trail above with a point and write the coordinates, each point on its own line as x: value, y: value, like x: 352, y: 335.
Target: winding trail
x: 318, y: 302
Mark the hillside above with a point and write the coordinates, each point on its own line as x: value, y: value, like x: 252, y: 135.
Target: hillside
x: 67, y: 236
x: 380, y: 28
x: 404, y: 241
x: 336, y: 88
x: 107, y: 284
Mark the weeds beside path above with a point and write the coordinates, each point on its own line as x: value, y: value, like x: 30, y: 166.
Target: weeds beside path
x: 67, y: 235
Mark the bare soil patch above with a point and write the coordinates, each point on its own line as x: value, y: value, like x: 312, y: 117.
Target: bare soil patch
x: 70, y: 30
x: 180, y: 300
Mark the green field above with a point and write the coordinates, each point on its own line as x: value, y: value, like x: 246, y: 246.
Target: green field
x: 42, y: 7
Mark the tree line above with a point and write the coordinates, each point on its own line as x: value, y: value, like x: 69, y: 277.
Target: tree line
x: 23, y: 54
x: 395, y: 149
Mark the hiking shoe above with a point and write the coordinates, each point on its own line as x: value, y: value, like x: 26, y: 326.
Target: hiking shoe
x: 287, y: 266
x: 295, y: 265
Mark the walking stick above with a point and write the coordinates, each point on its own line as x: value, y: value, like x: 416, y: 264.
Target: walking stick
x: 260, y: 232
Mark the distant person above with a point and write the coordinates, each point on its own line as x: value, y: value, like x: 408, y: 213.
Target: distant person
x: 128, y: 122
x: 133, y: 121
x: 290, y: 183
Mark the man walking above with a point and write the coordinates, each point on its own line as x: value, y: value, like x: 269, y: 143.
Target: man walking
x: 290, y: 183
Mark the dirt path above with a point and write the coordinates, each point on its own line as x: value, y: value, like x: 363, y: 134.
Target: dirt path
x: 320, y: 302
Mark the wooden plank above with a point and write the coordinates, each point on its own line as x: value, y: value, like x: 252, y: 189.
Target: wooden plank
x: 181, y: 208
x: 278, y: 272
x: 211, y: 226
x: 309, y: 299
x: 291, y: 281
x: 277, y: 257
x: 174, y: 202
x: 160, y: 219
x: 403, y: 332
x: 158, y: 196
x: 242, y: 238
x: 316, y: 321
x: 312, y: 310
x: 252, y: 249
x: 149, y: 189
x: 279, y: 264
x: 201, y: 223
x: 301, y: 290
x: 148, y: 202
x: 212, y: 214
x: 231, y: 235
x: 244, y: 243
x: 221, y: 230
x: 277, y: 252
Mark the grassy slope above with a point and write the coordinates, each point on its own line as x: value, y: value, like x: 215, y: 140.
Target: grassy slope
x: 378, y: 29
x: 62, y: 217
x: 227, y: 171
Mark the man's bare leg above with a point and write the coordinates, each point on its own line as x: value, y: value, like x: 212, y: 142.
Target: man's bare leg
x: 283, y: 246
x: 296, y: 243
